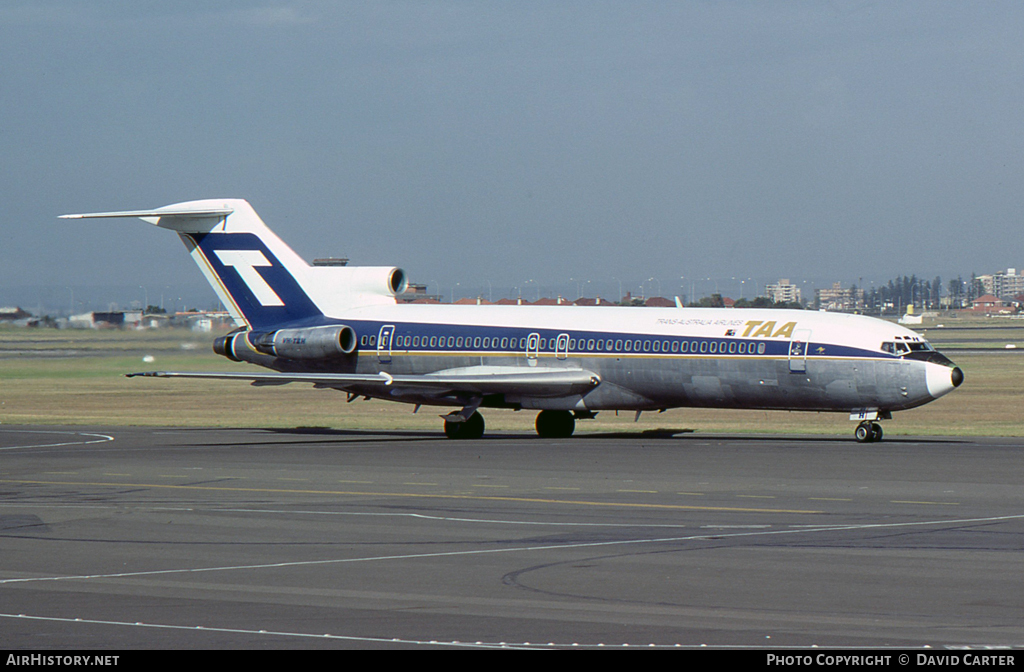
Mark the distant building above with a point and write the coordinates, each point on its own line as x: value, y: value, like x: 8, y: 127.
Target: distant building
x: 12, y: 314
x: 597, y: 301
x: 207, y: 320
x: 990, y: 304
x: 546, y: 301
x: 117, y: 319
x: 783, y: 292
x: 478, y: 301
x: 839, y: 298
x: 1004, y: 285
x: 416, y: 293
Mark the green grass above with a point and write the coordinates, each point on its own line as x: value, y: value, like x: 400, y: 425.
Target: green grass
x: 77, y: 377
x: 953, y: 334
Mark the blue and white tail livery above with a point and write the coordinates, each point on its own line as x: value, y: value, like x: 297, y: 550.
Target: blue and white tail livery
x: 261, y: 280
x: 341, y: 328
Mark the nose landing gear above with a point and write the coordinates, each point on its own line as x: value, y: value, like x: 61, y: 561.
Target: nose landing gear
x: 868, y: 432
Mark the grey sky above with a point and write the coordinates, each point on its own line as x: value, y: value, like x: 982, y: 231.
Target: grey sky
x: 535, y: 145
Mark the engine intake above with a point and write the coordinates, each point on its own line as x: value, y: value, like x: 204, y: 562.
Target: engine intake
x: 309, y: 343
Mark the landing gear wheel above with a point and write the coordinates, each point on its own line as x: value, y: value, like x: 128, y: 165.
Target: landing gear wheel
x: 473, y: 428
x: 555, y: 424
x: 876, y: 432
x: 862, y: 433
x: 868, y: 432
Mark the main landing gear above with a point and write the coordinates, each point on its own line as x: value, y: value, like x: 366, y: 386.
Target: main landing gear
x: 555, y: 424
x: 470, y: 428
x: 868, y: 432
x: 550, y: 424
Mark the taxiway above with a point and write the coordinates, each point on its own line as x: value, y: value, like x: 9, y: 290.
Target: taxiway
x: 125, y: 538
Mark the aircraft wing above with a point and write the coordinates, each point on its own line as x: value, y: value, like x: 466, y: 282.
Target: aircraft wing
x: 476, y: 380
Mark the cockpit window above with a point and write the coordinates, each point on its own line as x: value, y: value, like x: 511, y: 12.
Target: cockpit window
x: 903, y: 347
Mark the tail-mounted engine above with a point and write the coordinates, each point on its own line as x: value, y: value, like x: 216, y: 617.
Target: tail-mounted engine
x: 312, y: 343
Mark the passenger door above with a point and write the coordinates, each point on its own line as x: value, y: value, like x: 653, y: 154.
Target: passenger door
x: 384, y: 338
x: 562, y: 346
x: 798, y: 350
x: 532, y: 348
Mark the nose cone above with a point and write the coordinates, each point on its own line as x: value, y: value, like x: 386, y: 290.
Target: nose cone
x: 942, y: 379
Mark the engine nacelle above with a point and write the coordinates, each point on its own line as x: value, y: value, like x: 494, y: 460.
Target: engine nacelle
x: 336, y: 290
x: 225, y: 346
x: 310, y: 343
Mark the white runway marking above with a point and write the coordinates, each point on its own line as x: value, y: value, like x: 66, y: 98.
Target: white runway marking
x: 97, y: 438
x: 271, y: 633
x: 520, y: 549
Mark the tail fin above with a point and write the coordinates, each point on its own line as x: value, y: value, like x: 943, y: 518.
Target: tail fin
x: 259, y: 279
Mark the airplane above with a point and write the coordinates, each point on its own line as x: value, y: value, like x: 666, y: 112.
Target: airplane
x: 341, y: 328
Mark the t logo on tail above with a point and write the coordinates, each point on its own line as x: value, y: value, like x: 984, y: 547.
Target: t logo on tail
x: 245, y: 262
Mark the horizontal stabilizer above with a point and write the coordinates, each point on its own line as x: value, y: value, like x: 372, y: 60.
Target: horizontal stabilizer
x: 192, y: 214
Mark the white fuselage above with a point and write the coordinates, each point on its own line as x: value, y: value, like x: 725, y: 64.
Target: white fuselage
x: 651, y: 358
